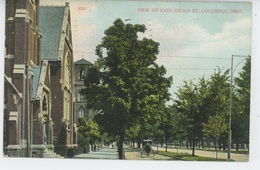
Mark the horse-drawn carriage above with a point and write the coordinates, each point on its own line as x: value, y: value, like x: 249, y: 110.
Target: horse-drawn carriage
x: 147, y: 148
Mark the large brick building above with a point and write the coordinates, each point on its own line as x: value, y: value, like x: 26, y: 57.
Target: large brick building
x: 21, y: 54
x: 39, y: 93
x: 56, y: 48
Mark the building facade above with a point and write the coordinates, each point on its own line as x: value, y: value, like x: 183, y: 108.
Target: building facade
x: 56, y: 48
x: 81, y: 110
x: 39, y: 91
x: 41, y: 104
x: 22, y: 41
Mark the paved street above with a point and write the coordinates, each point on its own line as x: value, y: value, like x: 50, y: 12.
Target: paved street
x: 111, y: 153
x: 105, y: 153
x: 137, y: 156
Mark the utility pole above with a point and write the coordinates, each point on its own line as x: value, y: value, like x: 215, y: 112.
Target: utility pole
x: 230, y: 110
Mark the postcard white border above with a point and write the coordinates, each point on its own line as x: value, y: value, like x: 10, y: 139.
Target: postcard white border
x: 253, y: 164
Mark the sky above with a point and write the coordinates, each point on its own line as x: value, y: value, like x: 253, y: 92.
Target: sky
x: 196, y: 38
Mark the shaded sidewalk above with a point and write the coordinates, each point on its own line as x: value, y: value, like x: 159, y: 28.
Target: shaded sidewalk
x: 104, y: 153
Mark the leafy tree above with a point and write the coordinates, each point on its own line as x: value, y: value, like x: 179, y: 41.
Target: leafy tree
x: 219, y: 98
x: 204, y: 105
x: 187, y: 104
x: 241, y: 116
x: 215, y: 128
x: 107, y: 139
x: 219, y: 90
x: 133, y: 133
x: 197, y: 102
x: 169, y: 125
x: 125, y: 84
x: 88, y: 132
x: 158, y: 134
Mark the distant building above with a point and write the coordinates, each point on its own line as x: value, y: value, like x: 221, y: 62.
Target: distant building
x: 81, y: 109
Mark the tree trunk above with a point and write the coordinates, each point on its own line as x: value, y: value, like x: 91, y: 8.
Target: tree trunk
x: 92, y: 148
x: 120, y: 146
x: 216, y: 147
x: 193, y: 147
x: 139, y: 143
x: 219, y: 145
x: 237, y: 146
x: 166, y: 147
x: 224, y: 145
x: 242, y: 146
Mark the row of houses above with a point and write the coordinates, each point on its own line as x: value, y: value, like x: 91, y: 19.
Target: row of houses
x: 42, y: 83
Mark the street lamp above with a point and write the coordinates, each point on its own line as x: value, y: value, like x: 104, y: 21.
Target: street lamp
x: 230, y: 107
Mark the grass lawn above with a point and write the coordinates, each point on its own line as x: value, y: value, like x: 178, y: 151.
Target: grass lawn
x: 225, y: 151
x: 187, y: 157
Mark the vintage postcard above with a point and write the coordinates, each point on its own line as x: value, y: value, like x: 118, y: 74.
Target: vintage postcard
x: 128, y: 80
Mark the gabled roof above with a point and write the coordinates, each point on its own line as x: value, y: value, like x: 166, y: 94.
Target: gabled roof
x: 83, y: 62
x: 50, y: 23
x: 36, y: 73
x: 14, y: 89
x: 38, y: 83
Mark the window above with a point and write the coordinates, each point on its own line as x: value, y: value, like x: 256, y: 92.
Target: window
x: 80, y: 97
x: 81, y: 74
x: 81, y: 112
x: 44, y: 104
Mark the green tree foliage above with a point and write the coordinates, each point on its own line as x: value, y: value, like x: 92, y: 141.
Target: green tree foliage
x: 169, y: 125
x: 133, y: 133
x: 125, y: 84
x: 197, y: 102
x: 219, y: 98
x: 215, y: 128
x: 88, y: 132
x: 187, y: 104
x: 158, y: 134
x: 241, y: 114
x: 219, y: 90
x: 108, y: 139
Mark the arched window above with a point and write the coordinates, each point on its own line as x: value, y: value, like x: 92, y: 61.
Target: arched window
x: 81, y: 74
x: 81, y: 112
x: 44, y: 104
